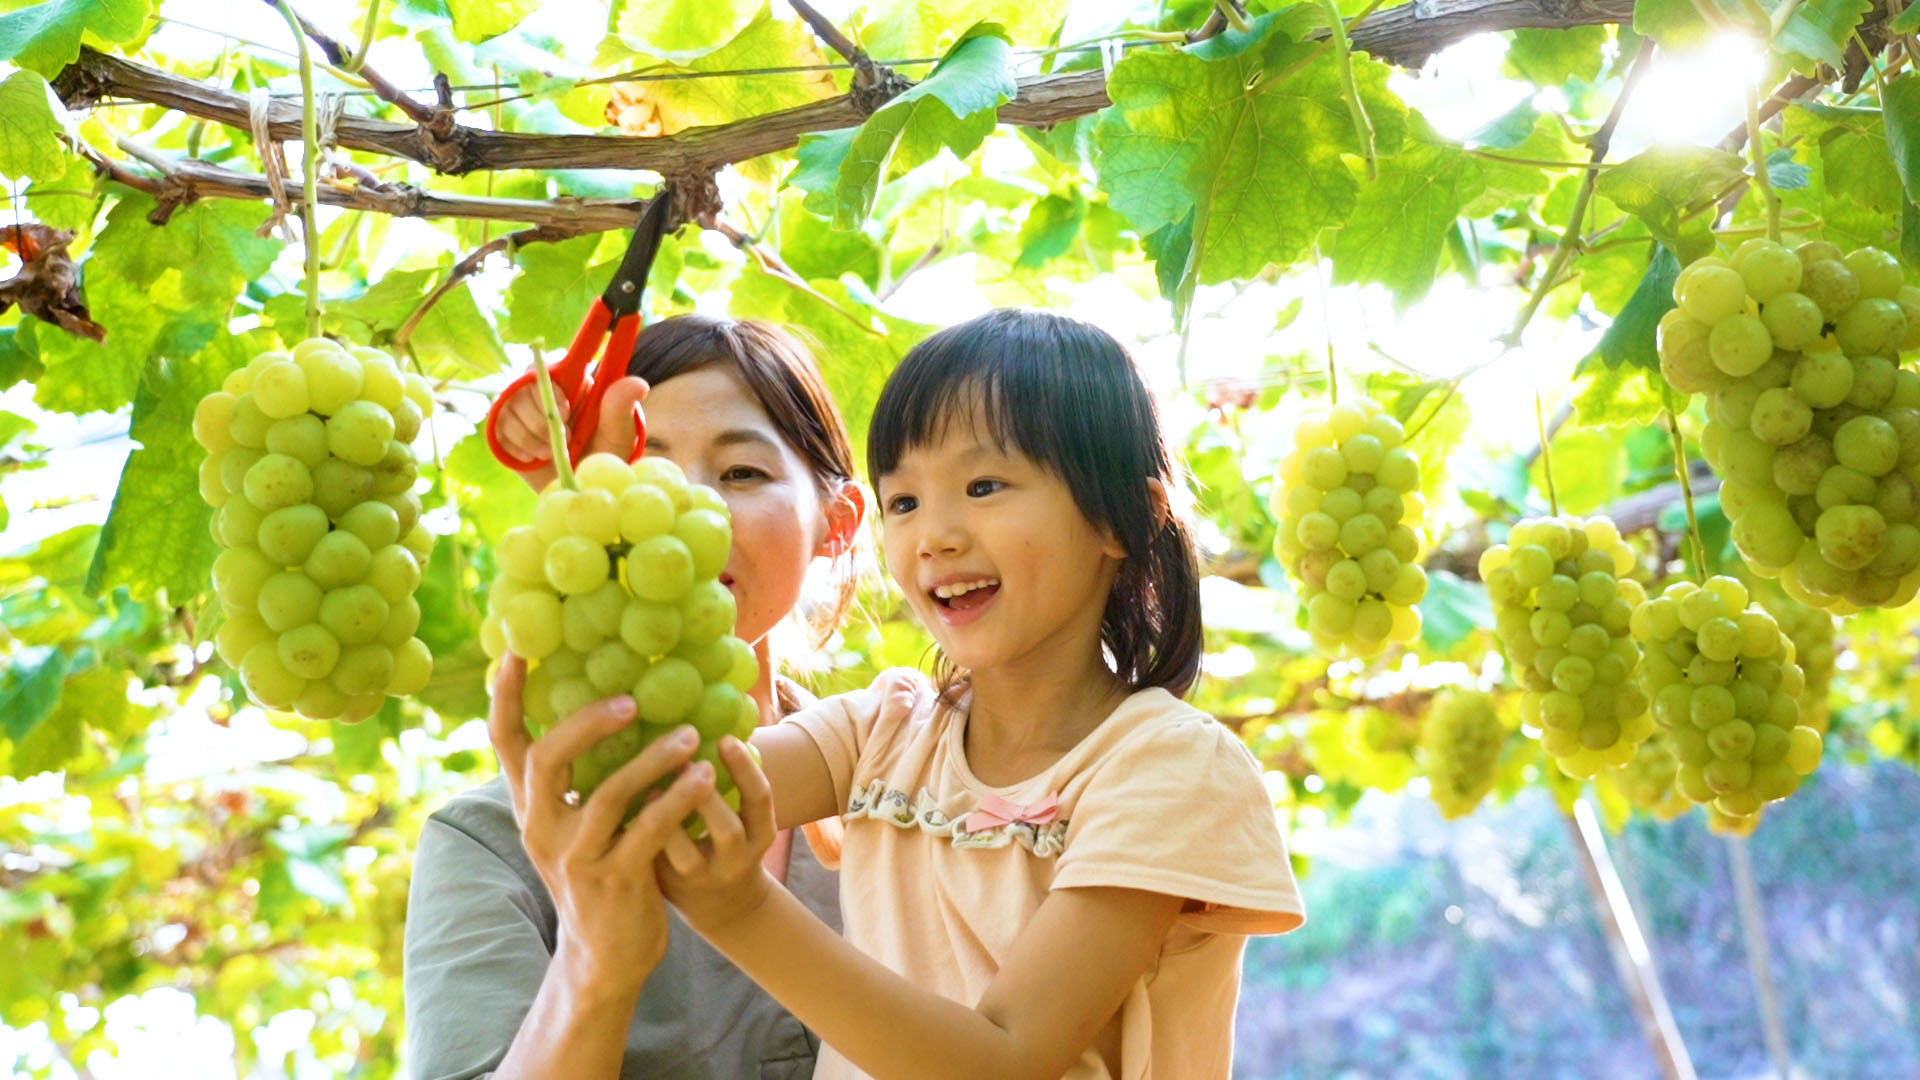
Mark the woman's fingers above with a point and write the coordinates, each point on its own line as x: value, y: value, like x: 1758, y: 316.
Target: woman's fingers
x: 506, y: 728
x: 614, y: 435
x: 549, y: 768
x: 658, y: 824
x: 756, y: 794
x: 523, y: 424
x: 604, y: 810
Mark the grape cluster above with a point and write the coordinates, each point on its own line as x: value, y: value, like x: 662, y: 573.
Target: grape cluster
x: 1648, y: 781
x: 1811, y: 630
x: 614, y: 590
x: 1561, y: 611
x: 1347, y: 499
x: 1726, y: 688
x: 1814, y: 427
x: 311, y: 476
x: 1461, y: 742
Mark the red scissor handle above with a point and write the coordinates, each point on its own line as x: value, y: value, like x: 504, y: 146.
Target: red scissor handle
x: 617, y: 310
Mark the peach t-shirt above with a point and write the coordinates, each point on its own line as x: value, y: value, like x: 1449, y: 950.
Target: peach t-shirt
x: 940, y: 872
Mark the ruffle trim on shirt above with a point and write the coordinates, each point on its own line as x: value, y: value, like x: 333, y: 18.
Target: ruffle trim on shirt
x: 879, y: 802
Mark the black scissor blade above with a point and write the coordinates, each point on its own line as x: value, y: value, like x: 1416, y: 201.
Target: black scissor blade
x: 630, y: 280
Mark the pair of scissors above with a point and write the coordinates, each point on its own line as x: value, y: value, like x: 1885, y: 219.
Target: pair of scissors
x: 614, y: 319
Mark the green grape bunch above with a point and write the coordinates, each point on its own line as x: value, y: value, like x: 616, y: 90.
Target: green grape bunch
x: 1347, y: 499
x: 1460, y: 744
x: 310, y: 473
x: 615, y: 589
x: 1650, y: 780
x: 1813, y: 424
x: 1727, y: 691
x: 1561, y: 612
x: 1812, y: 631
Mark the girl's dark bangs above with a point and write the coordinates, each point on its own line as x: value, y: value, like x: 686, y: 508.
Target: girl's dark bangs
x: 991, y: 373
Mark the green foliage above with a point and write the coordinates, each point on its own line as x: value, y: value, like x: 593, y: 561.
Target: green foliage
x: 29, y: 133
x: 1668, y: 188
x: 1246, y: 132
x: 953, y: 108
x: 45, y: 37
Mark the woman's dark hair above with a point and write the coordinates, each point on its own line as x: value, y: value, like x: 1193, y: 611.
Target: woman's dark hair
x: 1066, y: 395
x: 784, y: 378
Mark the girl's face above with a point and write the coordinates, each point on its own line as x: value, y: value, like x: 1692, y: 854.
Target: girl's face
x: 710, y: 424
x: 993, y: 553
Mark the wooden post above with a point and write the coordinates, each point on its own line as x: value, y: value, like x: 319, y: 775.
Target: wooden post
x: 1753, y: 927
x: 1629, y: 945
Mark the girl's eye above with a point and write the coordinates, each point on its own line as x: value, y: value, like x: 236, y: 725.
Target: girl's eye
x: 902, y: 504
x: 979, y: 489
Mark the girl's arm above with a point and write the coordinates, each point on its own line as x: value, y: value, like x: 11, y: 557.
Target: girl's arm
x: 1067, y: 974
x: 793, y: 765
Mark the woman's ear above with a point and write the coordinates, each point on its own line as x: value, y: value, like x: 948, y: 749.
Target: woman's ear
x: 846, y: 509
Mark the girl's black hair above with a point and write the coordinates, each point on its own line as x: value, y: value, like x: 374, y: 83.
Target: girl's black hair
x: 1066, y: 395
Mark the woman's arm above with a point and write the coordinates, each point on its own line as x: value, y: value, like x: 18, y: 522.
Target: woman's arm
x: 1069, y: 970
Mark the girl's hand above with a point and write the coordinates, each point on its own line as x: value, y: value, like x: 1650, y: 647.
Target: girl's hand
x: 613, y: 926
x: 523, y: 425
x: 720, y: 878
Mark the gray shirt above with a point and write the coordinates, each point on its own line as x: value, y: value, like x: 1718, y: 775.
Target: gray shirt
x: 481, y: 930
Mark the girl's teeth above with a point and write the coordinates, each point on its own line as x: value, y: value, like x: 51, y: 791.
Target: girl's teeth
x: 948, y: 592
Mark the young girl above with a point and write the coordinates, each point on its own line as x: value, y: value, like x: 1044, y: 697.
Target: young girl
x: 1050, y: 862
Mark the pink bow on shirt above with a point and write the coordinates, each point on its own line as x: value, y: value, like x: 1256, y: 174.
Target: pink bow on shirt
x: 995, y: 811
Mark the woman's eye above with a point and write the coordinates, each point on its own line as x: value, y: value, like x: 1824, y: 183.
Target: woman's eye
x: 982, y: 488
x: 741, y: 474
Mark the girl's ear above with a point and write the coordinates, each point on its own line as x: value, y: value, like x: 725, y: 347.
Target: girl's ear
x: 1162, y: 504
x: 846, y: 509
x: 1162, y: 508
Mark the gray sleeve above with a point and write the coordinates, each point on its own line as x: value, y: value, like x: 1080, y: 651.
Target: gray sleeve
x: 478, y: 942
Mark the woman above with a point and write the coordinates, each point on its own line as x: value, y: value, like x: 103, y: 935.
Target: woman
x: 537, y: 941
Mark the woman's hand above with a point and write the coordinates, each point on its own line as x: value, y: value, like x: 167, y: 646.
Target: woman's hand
x: 523, y: 424
x: 720, y: 878
x: 613, y: 927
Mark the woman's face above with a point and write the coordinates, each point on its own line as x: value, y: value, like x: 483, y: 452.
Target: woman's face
x: 710, y: 424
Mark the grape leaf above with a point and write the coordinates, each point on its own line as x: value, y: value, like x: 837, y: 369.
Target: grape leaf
x: 492, y: 498
x: 46, y: 37
x: 683, y: 30
x: 1249, y: 140
x: 210, y: 245
x: 18, y: 360
x: 664, y: 107
x: 29, y: 688
x: 1818, y: 30
x: 1853, y: 186
x: 1614, y: 396
x: 1050, y: 229
x: 1630, y: 340
x: 83, y: 376
x: 1901, y: 108
x: 60, y: 559
x: 917, y: 28
x: 956, y: 106
x: 555, y: 286
x: 1551, y: 57
x: 1452, y: 610
x: 1666, y: 186
x: 1676, y: 24
x: 1400, y: 221
x: 155, y: 541
x: 478, y: 20
x: 29, y: 132
x: 455, y: 341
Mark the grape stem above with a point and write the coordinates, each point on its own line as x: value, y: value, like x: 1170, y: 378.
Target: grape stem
x: 352, y: 63
x: 309, y: 169
x: 1686, y: 491
x: 1356, y: 109
x: 1546, y: 445
x: 556, y: 428
x: 1326, y: 323
x: 1756, y: 147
